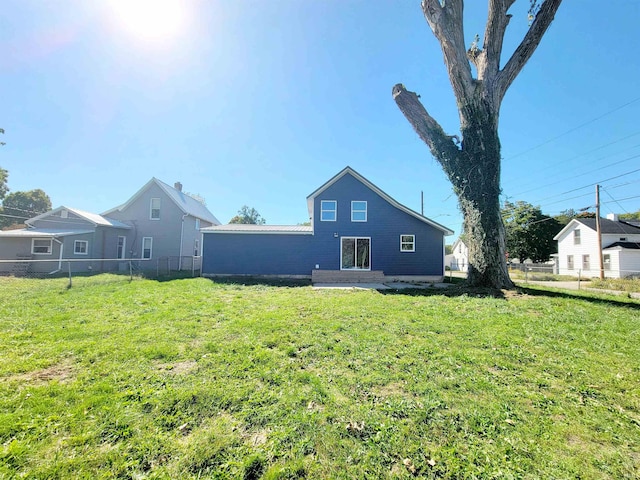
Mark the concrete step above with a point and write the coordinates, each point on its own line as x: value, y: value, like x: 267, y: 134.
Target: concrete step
x: 347, y: 276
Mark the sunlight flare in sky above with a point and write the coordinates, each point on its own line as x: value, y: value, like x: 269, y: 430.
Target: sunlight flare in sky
x: 152, y: 21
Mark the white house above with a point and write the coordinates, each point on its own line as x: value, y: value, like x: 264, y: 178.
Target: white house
x: 458, y: 259
x: 578, y: 247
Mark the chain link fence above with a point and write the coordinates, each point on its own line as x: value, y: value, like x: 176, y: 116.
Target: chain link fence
x: 26, y: 266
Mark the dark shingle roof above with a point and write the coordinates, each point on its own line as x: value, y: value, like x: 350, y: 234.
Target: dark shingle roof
x: 609, y: 226
x: 630, y: 245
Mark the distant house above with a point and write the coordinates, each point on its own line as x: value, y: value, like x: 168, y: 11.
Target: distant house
x: 62, y: 234
x: 357, y: 233
x: 578, y: 251
x: 165, y: 226
x: 458, y: 259
x: 159, y: 227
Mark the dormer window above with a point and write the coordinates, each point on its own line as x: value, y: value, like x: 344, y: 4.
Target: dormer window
x: 154, y: 209
x: 576, y: 236
x: 328, y: 210
x: 358, y: 211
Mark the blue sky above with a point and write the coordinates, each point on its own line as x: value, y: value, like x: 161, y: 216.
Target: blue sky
x: 260, y: 102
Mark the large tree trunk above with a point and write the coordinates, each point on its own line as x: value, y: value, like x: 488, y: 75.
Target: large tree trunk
x: 477, y: 185
x: 473, y: 164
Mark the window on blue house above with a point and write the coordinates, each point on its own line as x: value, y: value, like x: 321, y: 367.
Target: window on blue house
x: 358, y: 211
x: 154, y: 209
x: 407, y: 243
x: 328, y: 210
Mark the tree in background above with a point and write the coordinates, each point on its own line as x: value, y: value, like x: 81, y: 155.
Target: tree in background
x: 529, y: 233
x: 20, y: 206
x: 472, y: 162
x: 630, y: 216
x: 248, y: 215
x: 4, y: 189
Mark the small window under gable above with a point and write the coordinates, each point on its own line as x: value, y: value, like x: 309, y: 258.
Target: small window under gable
x: 81, y: 247
x: 328, y: 210
x: 407, y: 243
x: 576, y: 236
x: 197, y: 224
x: 358, y: 211
x: 607, y: 261
x: 154, y: 213
x: 64, y: 213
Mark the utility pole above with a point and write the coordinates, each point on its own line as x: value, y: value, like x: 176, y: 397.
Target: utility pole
x: 599, y: 231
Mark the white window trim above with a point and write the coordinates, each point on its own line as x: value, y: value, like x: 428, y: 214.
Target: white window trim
x: 412, y: 242
x: 75, y: 247
x: 151, y: 209
x: 124, y: 246
x: 150, y: 248
x: 197, y: 224
x: 366, y: 208
x: 576, y: 237
x: 570, y: 264
x: 334, y: 210
x: 356, y: 239
x: 196, y: 248
x: 33, y: 241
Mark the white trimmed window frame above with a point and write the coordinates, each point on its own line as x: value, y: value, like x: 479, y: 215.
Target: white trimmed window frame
x: 78, y: 250
x: 43, y: 243
x: 570, y: 265
x: 576, y: 236
x: 197, y: 224
x: 404, y: 242
x: 121, y: 247
x: 154, y: 208
x: 358, y: 211
x: 328, y: 207
x: 146, y: 240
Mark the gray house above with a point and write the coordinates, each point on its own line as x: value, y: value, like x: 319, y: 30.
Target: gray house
x: 158, y: 227
x: 63, y: 234
x: 164, y: 226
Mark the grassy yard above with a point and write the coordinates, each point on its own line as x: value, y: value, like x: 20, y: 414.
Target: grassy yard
x: 196, y: 379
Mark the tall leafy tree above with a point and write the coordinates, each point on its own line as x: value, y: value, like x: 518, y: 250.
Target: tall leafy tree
x: 248, y: 215
x: 20, y: 206
x: 4, y: 189
x: 472, y: 161
x: 529, y: 233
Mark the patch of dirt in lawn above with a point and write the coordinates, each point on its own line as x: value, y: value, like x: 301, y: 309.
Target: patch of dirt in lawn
x: 178, y: 368
x: 61, y: 372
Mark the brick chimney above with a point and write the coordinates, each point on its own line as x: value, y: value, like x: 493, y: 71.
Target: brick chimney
x: 177, y: 186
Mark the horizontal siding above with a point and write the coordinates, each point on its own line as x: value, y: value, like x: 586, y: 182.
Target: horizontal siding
x: 237, y: 254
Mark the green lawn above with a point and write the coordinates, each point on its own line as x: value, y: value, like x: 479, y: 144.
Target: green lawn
x: 196, y: 379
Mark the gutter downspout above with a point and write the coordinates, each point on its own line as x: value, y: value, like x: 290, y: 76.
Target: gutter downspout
x: 181, y: 241
x: 59, y: 259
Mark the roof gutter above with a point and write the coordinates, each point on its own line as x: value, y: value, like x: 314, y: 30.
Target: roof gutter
x: 60, y: 258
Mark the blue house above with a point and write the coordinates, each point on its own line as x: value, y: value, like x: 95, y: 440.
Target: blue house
x: 357, y: 233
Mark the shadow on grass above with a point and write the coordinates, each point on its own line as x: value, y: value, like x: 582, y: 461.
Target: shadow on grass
x: 267, y: 282
x: 460, y: 290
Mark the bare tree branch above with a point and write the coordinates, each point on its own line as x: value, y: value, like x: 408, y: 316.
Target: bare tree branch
x: 442, y: 146
x: 497, y: 22
x: 447, y: 26
x: 529, y: 43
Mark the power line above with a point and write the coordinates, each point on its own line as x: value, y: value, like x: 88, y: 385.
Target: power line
x: 600, y: 147
x: 574, y: 129
x: 580, y: 175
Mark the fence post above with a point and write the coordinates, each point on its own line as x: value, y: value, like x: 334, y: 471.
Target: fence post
x: 69, y: 264
x: 579, y: 278
x: 130, y: 271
